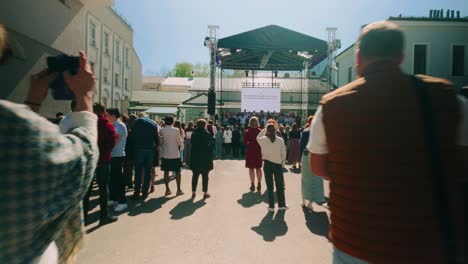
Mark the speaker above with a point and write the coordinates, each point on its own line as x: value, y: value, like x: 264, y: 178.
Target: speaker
x: 211, y: 102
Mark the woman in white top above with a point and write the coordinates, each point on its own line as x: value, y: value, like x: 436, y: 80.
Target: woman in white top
x: 227, y: 135
x: 170, y: 156
x: 274, y: 157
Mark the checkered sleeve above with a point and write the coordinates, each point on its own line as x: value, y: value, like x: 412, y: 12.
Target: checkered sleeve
x: 44, y: 177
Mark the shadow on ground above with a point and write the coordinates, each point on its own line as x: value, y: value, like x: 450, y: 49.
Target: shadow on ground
x: 148, y: 206
x: 250, y: 199
x: 317, y: 222
x: 271, y: 227
x: 186, y: 208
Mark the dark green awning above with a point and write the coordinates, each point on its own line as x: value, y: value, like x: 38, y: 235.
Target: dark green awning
x: 270, y: 48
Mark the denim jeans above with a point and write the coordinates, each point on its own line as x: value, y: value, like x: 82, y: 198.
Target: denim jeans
x: 143, y: 160
x: 218, y: 150
x: 117, y: 181
x: 274, y: 177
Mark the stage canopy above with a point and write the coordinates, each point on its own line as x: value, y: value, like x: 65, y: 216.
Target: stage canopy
x: 270, y: 48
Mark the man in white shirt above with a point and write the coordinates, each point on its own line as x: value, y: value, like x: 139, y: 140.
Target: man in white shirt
x: 116, y: 181
x: 376, y: 157
x: 274, y: 156
x: 170, y: 155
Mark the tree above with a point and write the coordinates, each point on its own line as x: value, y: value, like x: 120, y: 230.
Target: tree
x: 286, y: 75
x: 183, y: 69
x: 201, y: 70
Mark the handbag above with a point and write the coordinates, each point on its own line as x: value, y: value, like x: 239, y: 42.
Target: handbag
x: 440, y: 190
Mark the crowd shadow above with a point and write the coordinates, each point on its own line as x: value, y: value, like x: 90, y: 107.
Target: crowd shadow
x: 317, y: 222
x: 146, y: 207
x: 186, y: 208
x: 250, y: 199
x: 271, y: 227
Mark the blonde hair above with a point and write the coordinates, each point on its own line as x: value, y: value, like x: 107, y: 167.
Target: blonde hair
x: 273, y: 121
x: 253, y: 122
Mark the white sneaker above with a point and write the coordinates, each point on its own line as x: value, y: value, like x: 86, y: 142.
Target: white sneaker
x: 120, y: 207
x: 271, y: 209
x: 112, y: 203
x: 283, y: 208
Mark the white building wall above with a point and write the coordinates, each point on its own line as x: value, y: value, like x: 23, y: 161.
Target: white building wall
x: 44, y: 28
x: 345, y: 61
x: 38, y: 38
x: 439, y: 36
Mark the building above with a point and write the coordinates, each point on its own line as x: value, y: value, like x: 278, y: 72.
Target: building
x: 42, y: 28
x: 434, y: 46
x: 160, y: 96
x: 187, y: 98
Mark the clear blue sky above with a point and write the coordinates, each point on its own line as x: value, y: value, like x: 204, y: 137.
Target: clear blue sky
x: 170, y: 31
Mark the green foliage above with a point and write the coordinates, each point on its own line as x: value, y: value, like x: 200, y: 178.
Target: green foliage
x: 183, y: 69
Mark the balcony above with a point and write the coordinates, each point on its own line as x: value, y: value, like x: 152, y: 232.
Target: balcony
x: 97, y: 3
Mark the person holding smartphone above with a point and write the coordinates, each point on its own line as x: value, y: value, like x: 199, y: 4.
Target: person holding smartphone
x: 41, y: 211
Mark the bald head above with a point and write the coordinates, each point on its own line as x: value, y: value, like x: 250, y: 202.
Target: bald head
x: 382, y: 40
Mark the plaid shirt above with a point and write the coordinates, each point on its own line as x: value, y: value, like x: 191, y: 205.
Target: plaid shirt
x: 44, y: 176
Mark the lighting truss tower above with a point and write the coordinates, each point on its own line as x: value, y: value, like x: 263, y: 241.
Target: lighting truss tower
x: 211, y: 41
x: 333, y: 46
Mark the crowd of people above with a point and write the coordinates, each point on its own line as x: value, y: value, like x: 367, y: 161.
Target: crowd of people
x: 241, y: 118
x: 392, y: 145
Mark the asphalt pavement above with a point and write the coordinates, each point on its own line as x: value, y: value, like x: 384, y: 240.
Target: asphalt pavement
x: 233, y: 226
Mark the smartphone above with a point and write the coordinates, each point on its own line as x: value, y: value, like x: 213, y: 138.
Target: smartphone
x: 59, y: 64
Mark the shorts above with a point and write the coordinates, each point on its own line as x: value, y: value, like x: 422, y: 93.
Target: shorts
x: 171, y: 164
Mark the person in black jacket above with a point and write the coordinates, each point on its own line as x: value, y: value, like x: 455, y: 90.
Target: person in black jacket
x: 236, y: 141
x: 201, y: 157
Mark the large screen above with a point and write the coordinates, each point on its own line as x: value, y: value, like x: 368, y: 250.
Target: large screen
x: 260, y: 99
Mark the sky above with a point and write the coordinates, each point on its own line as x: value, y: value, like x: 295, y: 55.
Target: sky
x: 171, y: 31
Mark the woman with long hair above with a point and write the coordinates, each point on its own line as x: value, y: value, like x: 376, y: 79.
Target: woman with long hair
x: 178, y: 125
x: 253, y: 155
x: 187, y: 144
x: 294, y: 155
x: 201, y: 161
x: 311, y: 185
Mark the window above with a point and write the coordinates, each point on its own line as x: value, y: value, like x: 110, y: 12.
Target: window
x: 126, y: 57
x: 420, y: 59
x: 92, y: 34
x: 126, y: 84
x: 104, y: 100
x: 117, y: 50
x: 116, y: 103
x: 116, y: 81
x: 105, y: 72
x: 458, y: 60
x: 106, y: 43
x: 350, y: 74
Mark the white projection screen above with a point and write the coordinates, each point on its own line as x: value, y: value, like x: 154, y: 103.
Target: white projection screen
x: 261, y: 99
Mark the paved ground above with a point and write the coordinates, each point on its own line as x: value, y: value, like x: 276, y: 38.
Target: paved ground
x: 233, y: 226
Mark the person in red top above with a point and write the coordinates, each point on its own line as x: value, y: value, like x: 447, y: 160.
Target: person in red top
x: 106, y: 141
x: 253, y: 154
